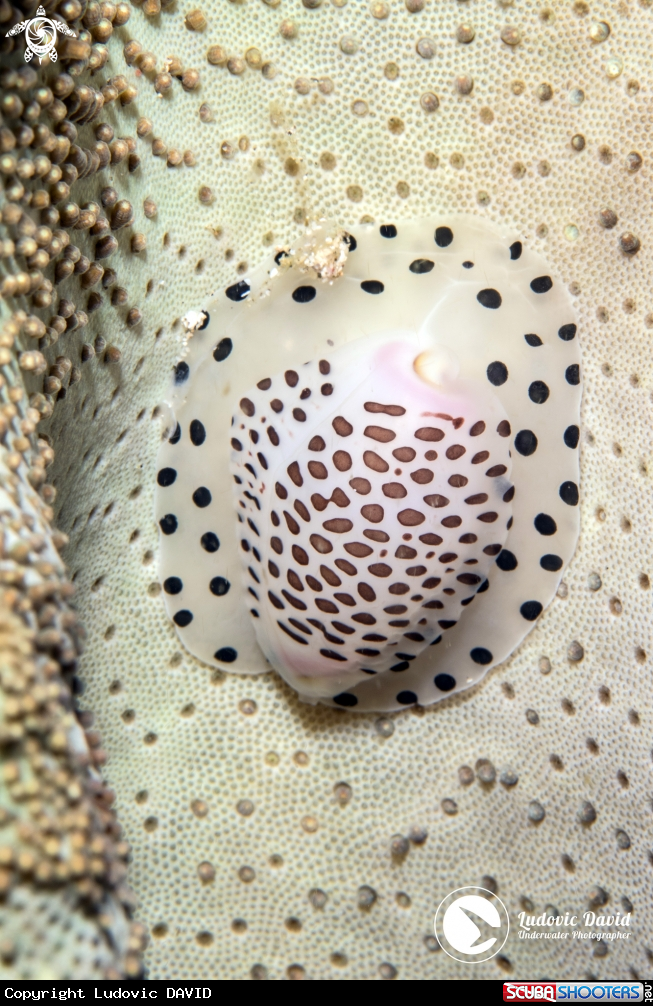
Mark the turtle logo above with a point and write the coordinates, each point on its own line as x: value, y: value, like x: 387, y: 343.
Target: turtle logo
x: 41, y: 35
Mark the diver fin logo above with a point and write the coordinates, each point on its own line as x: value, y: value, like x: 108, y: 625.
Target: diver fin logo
x: 472, y: 925
x: 460, y: 929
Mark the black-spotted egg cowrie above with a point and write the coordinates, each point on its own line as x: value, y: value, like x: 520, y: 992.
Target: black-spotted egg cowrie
x: 370, y: 483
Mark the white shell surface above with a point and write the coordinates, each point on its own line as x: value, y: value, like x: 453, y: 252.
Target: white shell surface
x: 486, y: 303
x: 386, y: 516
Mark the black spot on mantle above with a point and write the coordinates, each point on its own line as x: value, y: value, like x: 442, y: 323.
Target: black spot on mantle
x: 238, y: 291
x: 489, y: 298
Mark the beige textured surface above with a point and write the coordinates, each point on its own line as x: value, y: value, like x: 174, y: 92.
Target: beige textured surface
x: 65, y: 910
x: 185, y: 737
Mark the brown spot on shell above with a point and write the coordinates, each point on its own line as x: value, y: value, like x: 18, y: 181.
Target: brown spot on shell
x: 398, y: 588
x: 302, y: 510
x: 277, y: 602
x: 293, y: 526
x: 431, y: 539
x: 477, y: 429
x: 457, y: 423
x: 422, y: 476
x: 477, y: 498
x: 394, y: 490
x: 458, y: 481
x: 318, y: 470
x: 325, y: 367
x: 467, y: 539
x: 342, y: 460
x: 342, y: 427
x: 503, y: 429
x: 372, y: 512
x: 294, y: 580
x: 316, y: 444
x: 480, y: 457
x: 451, y: 521
x: 289, y: 632
x: 339, y: 525
x: 331, y: 578
x: 455, y: 451
x: 337, y: 496
x: 299, y: 415
x: 436, y: 500
x: 374, y: 535
x: 273, y: 436
x: 380, y: 569
x: 277, y: 545
x: 247, y: 406
x: 405, y: 552
x: 276, y: 405
x: 492, y: 549
x: 332, y: 655
x: 379, y: 433
x: 404, y: 454
x: 496, y: 470
x: 364, y: 618
x: 430, y: 433
x: 447, y: 557
x: 300, y: 555
x: 366, y: 592
x: 345, y: 599
x: 360, y: 485
x: 295, y: 474
x: 358, y: 549
x: 410, y: 518
x: 265, y: 384
x: 489, y: 517
x: 390, y: 410
x: 292, y: 378
x: 327, y: 606
x: 341, y: 627
x: 346, y: 567
x: 313, y: 583
x: 469, y: 578
x: 320, y: 544
x: 376, y: 463
x: 327, y: 389
x: 281, y: 491
x: 431, y: 582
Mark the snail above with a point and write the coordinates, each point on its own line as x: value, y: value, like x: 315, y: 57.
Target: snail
x: 370, y: 482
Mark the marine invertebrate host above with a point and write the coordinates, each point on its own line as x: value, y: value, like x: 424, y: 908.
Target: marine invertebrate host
x: 386, y: 462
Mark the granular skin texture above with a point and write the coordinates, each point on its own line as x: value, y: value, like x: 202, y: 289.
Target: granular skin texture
x: 65, y: 909
x: 186, y: 744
